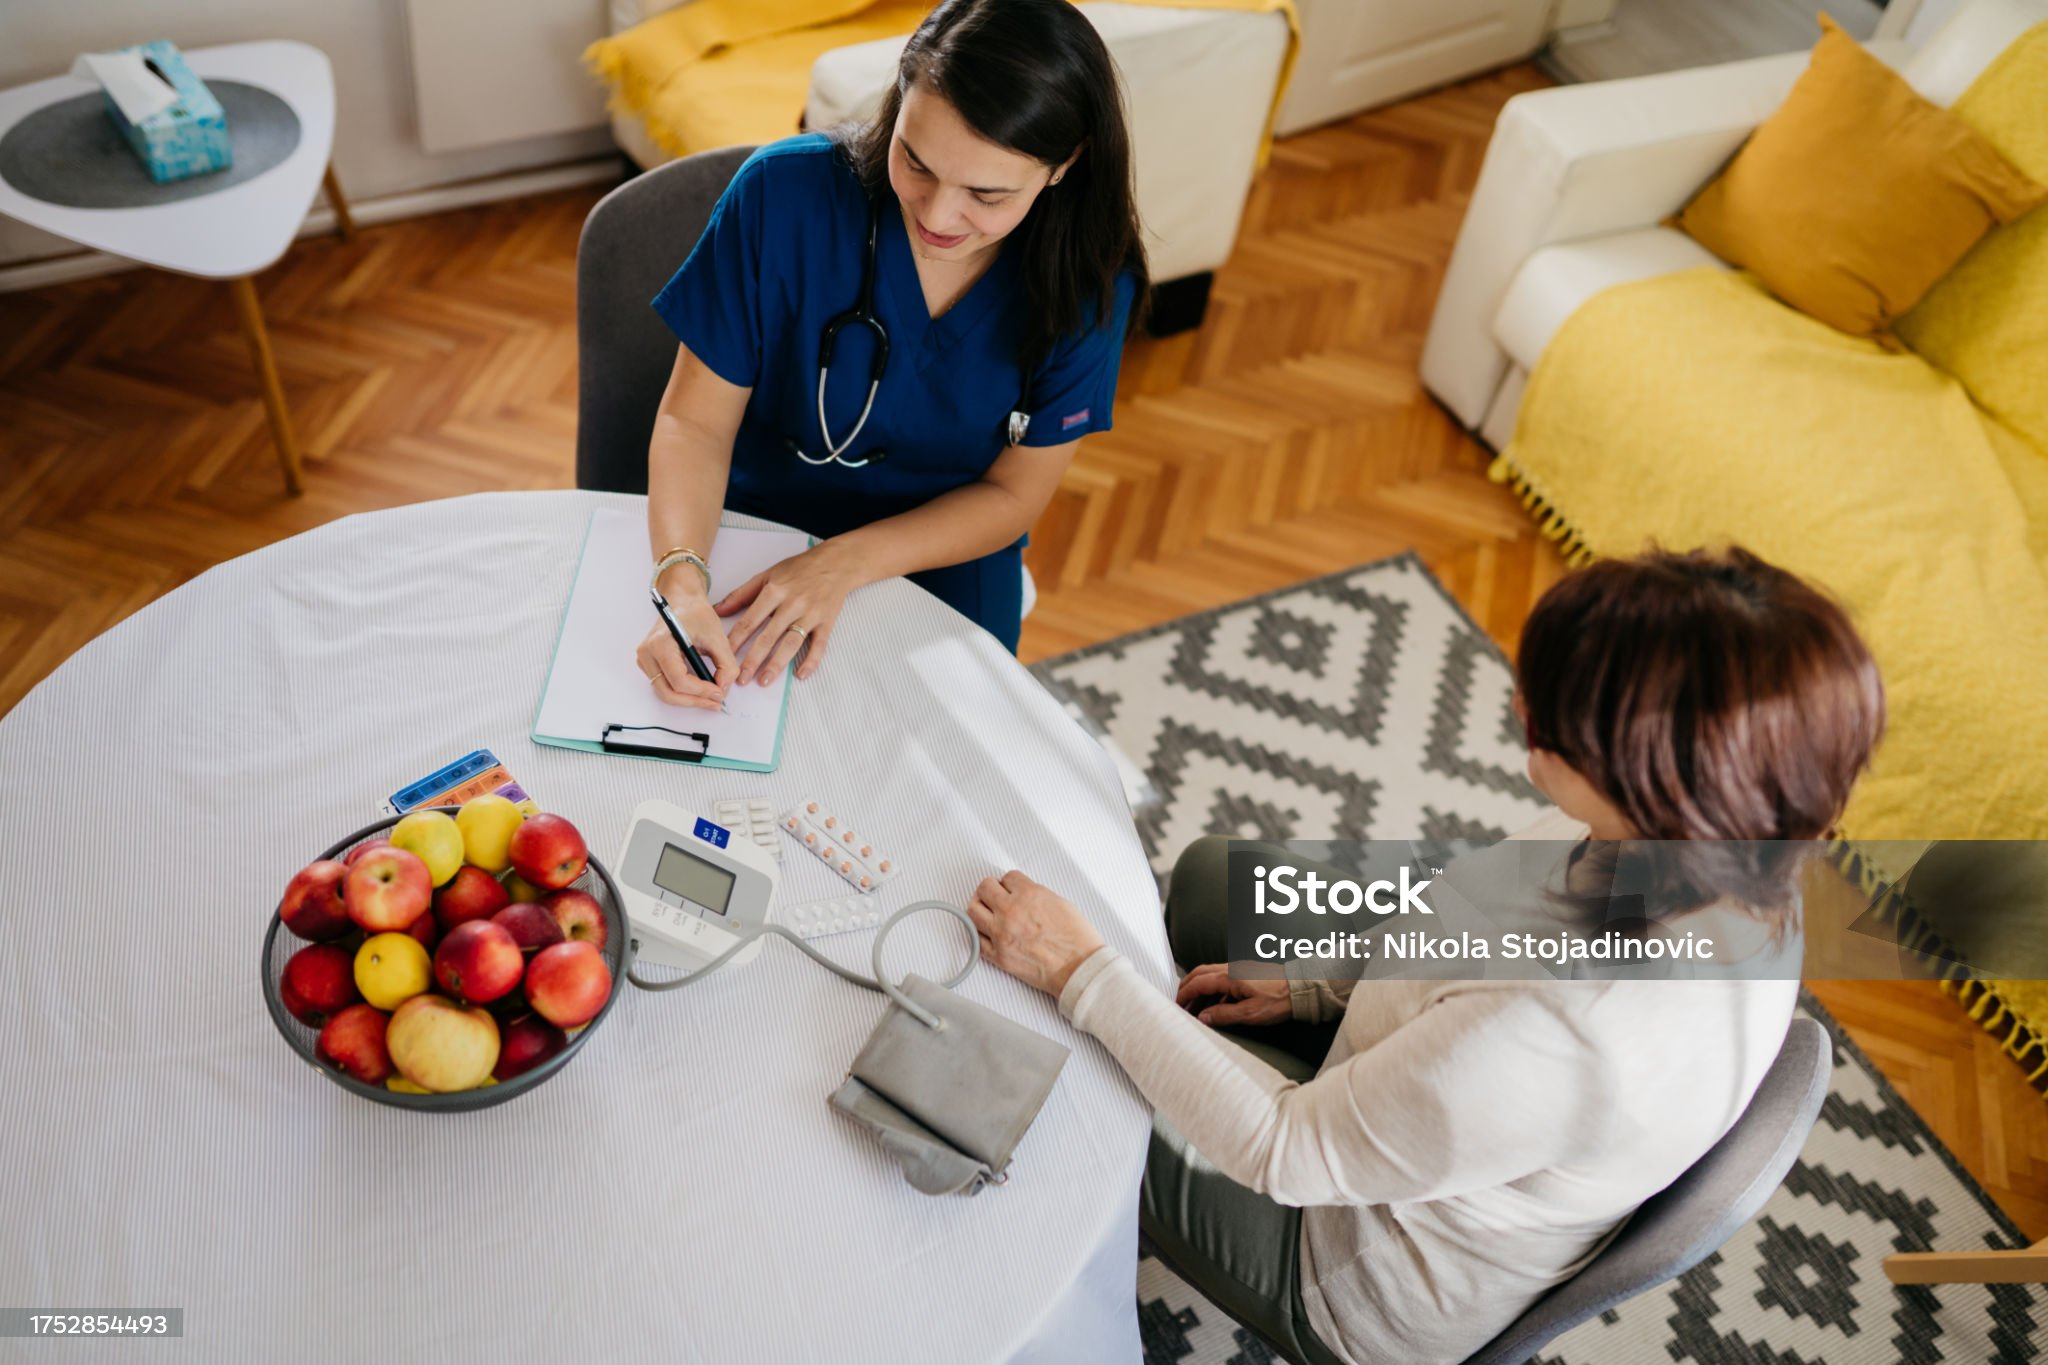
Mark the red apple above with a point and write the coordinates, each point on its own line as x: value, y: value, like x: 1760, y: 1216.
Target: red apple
x: 478, y: 961
x: 426, y: 929
x: 527, y: 1042
x: 532, y: 927
x: 471, y: 893
x: 579, y: 916
x: 318, y: 982
x: 365, y: 846
x: 354, y: 1041
x: 548, y: 851
x: 387, y: 890
x: 313, y: 907
x: 568, y: 984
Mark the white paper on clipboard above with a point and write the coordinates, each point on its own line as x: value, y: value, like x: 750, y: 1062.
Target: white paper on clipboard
x: 594, y: 682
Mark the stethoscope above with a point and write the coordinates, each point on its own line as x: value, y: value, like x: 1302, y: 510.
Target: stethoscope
x: 862, y: 314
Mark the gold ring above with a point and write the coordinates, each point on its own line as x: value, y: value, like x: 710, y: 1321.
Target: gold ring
x: 800, y: 632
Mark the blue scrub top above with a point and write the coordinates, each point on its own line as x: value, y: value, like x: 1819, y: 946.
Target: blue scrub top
x: 782, y: 256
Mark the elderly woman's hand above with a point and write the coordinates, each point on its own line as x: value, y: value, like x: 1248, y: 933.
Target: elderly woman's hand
x: 1029, y: 931
x: 1242, y: 1002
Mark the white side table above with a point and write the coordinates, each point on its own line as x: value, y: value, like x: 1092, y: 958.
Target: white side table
x: 229, y: 230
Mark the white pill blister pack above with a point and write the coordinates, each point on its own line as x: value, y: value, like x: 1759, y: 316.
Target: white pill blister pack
x: 751, y: 818
x: 832, y: 840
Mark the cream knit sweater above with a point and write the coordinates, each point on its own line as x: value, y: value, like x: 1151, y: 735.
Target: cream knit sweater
x: 1466, y: 1145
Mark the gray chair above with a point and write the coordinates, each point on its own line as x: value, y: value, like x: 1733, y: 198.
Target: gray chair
x: 1683, y: 1224
x: 632, y: 242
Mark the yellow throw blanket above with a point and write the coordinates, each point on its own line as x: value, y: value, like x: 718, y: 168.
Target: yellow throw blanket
x: 749, y: 62
x: 1693, y: 409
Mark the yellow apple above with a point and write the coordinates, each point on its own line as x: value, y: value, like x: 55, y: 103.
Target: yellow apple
x: 487, y: 823
x: 522, y: 889
x: 433, y: 836
x: 442, y: 1046
x: 392, y: 968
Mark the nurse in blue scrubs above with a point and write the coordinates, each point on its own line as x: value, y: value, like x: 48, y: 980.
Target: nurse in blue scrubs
x: 995, y: 185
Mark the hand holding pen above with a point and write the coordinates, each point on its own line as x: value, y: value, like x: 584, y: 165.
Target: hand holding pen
x: 686, y: 656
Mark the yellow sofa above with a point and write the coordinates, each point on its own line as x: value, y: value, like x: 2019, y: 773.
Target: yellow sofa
x: 1684, y: 405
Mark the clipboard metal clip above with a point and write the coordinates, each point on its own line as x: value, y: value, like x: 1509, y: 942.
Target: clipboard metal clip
x: 620, y: 746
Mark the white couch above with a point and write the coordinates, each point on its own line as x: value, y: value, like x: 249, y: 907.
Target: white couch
x: 1577, y: 178
x: 1198, y: 85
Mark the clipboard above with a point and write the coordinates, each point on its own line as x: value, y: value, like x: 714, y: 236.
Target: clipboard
x: 595, y: 700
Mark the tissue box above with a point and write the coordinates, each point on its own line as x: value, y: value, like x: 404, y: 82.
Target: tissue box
x: 186, y: 139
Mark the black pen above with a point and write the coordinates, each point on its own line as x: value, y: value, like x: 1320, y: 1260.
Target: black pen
x: 675, y: 628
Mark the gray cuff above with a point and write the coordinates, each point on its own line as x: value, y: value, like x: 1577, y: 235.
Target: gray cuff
x: 1092, y: 966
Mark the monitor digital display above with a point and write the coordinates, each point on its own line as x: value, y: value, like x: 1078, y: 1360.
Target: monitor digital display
x: 695, y: 880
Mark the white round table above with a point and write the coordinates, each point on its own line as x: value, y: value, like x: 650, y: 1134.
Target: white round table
x: 681, y: 1190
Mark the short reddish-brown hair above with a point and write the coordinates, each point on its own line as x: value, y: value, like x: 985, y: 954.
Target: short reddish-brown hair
x: 1707, y: 695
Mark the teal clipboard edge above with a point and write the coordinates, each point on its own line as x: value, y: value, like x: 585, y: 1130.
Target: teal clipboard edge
x: 591, y: 746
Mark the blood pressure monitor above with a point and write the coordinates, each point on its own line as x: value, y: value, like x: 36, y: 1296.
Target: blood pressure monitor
x: 692, y: 886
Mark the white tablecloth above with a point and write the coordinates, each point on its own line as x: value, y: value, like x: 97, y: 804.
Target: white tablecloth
x: 680, y: 1191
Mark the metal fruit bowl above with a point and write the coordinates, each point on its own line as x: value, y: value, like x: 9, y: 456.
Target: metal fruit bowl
x: 279, y: 943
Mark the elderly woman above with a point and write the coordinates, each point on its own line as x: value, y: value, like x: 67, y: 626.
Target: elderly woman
x: 1462, y: 1146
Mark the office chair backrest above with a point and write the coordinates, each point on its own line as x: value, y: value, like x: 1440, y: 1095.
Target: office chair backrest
x: 1687, y: 1221
x: 632, y: 242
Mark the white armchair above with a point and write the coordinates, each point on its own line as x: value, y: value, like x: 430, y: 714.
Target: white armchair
x: 1198, y: 84
x: 1577, y: 178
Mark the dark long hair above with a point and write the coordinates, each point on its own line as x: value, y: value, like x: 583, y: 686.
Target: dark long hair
x: 1709, y: 696
x: 1034, y: 77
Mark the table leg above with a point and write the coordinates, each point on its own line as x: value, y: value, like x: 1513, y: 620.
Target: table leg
x: 346, y: 224
x: 251, y: 310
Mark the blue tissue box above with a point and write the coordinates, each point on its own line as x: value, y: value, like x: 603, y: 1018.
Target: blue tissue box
x: 185, y: 139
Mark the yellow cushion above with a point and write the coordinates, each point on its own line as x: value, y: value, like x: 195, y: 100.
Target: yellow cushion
x: 1857, y: 195
x: 1986, y: 322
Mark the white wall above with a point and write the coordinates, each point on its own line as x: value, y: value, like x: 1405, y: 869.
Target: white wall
x: 376, y: 141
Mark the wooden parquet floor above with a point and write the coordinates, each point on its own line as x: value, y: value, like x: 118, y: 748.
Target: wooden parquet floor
x: 1288, y: 437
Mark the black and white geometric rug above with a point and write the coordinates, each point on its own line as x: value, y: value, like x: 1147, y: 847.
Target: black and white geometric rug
x: 1368, y: 705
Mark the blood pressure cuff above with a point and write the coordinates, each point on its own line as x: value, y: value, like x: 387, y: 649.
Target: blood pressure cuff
x: 949, y: 1103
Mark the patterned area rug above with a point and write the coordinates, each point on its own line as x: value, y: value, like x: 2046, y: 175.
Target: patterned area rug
x: 1366, y: 705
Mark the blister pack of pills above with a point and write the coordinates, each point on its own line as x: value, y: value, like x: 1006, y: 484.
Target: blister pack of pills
x: 751, y: 818
x: 818, y: 919
x: 835, y: 842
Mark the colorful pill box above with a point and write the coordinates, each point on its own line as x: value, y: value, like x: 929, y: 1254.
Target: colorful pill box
x: 474, y: 774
